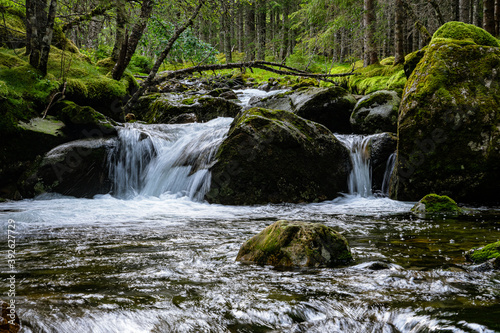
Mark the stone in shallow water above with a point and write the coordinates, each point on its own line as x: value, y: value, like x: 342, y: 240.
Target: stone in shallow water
x: 296, y: 244
x: 433, y: 203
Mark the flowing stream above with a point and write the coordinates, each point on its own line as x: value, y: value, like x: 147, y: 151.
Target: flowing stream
x: 153, y: 257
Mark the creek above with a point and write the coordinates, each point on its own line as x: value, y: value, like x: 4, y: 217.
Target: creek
x: 154, y: 257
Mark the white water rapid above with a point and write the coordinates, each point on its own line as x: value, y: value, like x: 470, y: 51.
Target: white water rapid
x: 152, y: 160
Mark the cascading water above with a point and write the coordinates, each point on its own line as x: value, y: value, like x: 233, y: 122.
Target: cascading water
x: 360, y: 178
x: 391, y: 162
x: 151, y: 160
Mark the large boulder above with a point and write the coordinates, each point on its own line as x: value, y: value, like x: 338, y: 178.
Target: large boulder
x: 164, y: 108
x: 296, y: 244
x: 331, y: 107
x: 376, y: 113
x: 77, y: 168
x: 449, y: 122
x: 275, y: 156
x: 381, y: 147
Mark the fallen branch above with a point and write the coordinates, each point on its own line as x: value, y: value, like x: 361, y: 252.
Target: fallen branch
x: 53, y: 98
x: 268, y: 66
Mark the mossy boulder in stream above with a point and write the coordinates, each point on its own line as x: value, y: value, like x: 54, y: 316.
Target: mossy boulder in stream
x: 449, y: 123
x: 433, y: 203
x: 167, y: 107
x: 273, y: 156
x: 296, y: 244
x: 486, y: 258
x: 376, y: 113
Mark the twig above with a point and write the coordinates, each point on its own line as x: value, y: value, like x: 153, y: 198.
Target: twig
x: 52, y: 99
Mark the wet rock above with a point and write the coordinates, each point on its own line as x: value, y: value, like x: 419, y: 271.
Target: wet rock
x: 81, y: 120
x: 9, y: 322
x: 184, y: 118
x: 280, y: 101
x: 331, y: 107
x: 129, y: 117
x: 381, y: 147
x: 376, y: 113
x: 275, y: 156
x: 486, y: 258
x: 433, y: 203
x: 77, y: 168
x: 163, y: 108
x: 296, y: 244
x: 217, y: 92
x: 448, y: 129
x: 229, y: 95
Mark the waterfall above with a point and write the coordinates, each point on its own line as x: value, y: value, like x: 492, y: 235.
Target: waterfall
x: 391, y: 161
x: 360, y: 178
x: 152, y: 160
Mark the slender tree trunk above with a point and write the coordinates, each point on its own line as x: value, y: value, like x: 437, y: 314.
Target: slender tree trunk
x: 149, y: 80
x: 477, y: 13
x: 489, y: 16
x: 133, y: 39
x: 284, y: 33
x: 464, y: 11
x: 240, y: 29
x: 47, y: 38
x: 370, y: 57
x: 261, y: 29
x: 121, y: 21
x: 226, y: 31
x: 456, y: 10
x: 250, y: 32
x: 399, y: 55
x: 30, y: 20
x: 497, y: 17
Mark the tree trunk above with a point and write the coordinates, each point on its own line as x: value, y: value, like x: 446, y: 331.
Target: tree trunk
x: 240, y: 29
x: 464, y: 11
x: 133, y: 40
x: 41, y: 26
x: 250, y: 32
x: 497, y: 18
x: 47, y: 38
x: 226, y: 31
x: 121, y: 20
x: 477, y: 13
x: 150, y: 79
x: 30, y: 21
x: 370, y: 57
x: 284, y: 33
x: 399, y: 55
x: 261, y: 29
x: 489, y: 16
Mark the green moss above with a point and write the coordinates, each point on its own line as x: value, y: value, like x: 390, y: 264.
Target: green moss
x: 377, y: 77
x: 189, y: 101
x: 433, y: 203
x: 480, y: 255
x: 465, y: 32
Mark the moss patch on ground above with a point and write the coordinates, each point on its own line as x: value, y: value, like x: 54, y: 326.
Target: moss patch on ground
x: 383, y: 76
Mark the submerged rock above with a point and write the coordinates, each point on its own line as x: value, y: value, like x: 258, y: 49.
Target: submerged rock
x: 449, y: 122
x: 376, y: 113
x: 433, y: 203
x: 77, y: 168
x: 296, y: 244
x: 275, y: 156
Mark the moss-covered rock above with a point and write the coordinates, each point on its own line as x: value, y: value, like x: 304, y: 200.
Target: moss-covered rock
x: 77, y: 168
x: 296, y: 244
x: 467, y: 32
x: 376, y: 113
x: 81, y: 120
x: 433, y: 203
x: 376, y: 77
x: 165, y: 108
x: 448, y: 129
x: 331, y: 107
x: 275, y: 156
x: 411, y: 61
x: 485, y: 253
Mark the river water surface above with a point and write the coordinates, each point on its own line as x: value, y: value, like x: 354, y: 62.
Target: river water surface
x: 153, y: 257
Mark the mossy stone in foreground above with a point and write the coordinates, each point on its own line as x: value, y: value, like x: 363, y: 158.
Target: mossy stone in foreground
x: 483, y: 254
x: 296, y: 244
x: 464, y: 31
x: 433, y: 203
